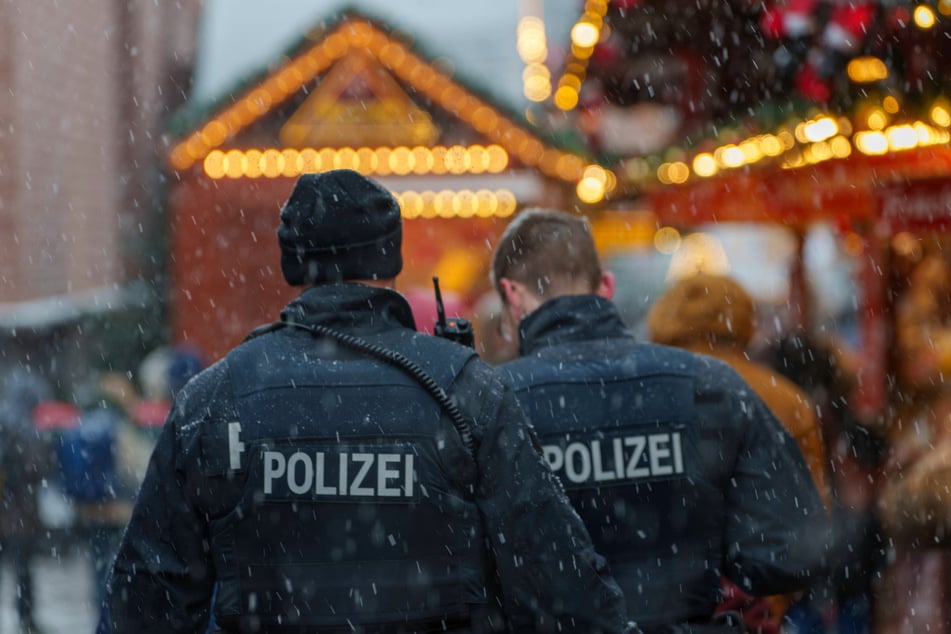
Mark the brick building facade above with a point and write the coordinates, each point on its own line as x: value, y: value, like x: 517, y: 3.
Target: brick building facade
x: 87, y: 88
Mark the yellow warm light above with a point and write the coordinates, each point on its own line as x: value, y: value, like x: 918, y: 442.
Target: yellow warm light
x: 901, y: 137
x: 840, y: 146
x: 793, y: 160
x: 273, y: 163
x: 770, y: 145
x: 863, y: 70
x: 590, y: 190
x: 536, y: 70
x: 529, y: 23
x: 457, y: 204
x: 537, y: 88
x: 567, y: 167
x: 234, y: 164
x: 944, y: 7
x: 704, y: 165
x: 596, y: 172
x: 179, y: 158
x: 819, y: 152
x: 730, y: 156
x: 584, y: 35
x: 678, y: 173
x: 699, y: 253
x: 252, y: 164
x: 214, y: 164
x: 582, y: 52
x: 570, y: 81
x: 872, y: 143
x: 876, y: 120
x: 663, y: 173
x: 818, y: 130
x: 667, y: 240
x: 924, y: 16
x: 566, y: 98
x: 890, y: 104
x: 751, y: 151
x: 531, y: 43
x: 940, y: 116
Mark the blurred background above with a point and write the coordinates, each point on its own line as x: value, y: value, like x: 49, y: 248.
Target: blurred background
x: 801, y: 146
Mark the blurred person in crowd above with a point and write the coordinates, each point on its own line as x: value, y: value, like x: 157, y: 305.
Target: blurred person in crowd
x: 103, y: 461
x: 845, y: 601
x: 24, y: 463
x: 677, y: 467
x: 166, y: 369
x: 915, y: 504
x: 714, y: 315
x: 339, y: 471
x: 186, y: 362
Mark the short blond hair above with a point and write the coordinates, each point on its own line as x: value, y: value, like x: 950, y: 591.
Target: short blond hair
x: 549, y: 251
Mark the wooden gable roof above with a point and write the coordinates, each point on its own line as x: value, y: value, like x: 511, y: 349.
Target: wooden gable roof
x: 447, y: 126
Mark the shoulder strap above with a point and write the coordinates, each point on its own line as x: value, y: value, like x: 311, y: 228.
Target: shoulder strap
x: 394, y: 358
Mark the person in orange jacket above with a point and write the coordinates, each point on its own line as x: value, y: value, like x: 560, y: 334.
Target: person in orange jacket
x: 714, y: 315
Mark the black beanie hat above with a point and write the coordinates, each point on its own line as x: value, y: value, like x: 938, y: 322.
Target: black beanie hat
x: 339, y: 225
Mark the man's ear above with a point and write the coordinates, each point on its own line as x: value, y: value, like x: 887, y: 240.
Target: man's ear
x: 607, y: 285
x: 511, y: 295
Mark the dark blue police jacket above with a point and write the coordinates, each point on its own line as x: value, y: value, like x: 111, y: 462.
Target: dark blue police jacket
x: 322, y: 490
x: 679, y: 471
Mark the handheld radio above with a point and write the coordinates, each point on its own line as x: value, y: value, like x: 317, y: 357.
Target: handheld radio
x: 456, y: 329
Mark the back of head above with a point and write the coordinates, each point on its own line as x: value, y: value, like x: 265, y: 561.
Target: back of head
x: 550, y: 252
x: 339, y: 225
x: 708, y: 308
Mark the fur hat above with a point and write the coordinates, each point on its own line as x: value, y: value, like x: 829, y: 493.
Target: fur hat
x: 339, y: 225
x: 704, y: 307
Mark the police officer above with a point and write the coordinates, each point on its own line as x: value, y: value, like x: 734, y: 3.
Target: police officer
x: 679, y: 471
x: 339, y: 471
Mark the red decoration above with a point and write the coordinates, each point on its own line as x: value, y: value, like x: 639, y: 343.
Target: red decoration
x: 848, y: 25
x: 841, y: 35
x: 51, y: 415
x: 605, y: 54
x: 812, y: 86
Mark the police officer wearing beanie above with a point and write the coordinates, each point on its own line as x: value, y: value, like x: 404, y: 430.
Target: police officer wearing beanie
x: 315, y: 487
x: 678, y: 469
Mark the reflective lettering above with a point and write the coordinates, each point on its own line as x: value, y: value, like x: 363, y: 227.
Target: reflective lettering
x: 577, y: 449
x: 600, y: 475
x: 678, y: 455
x: 633, y: 471
x: 299, y: 458
x: 292, y: 473
x: 319, y: 487
x: 274, y: 466
x: 366, y: 461
x: 385, y: 473
x: 554, y: 456
x: 343, y: 473
x: 410, y: 475
x: 235, y: 446
x: 659, y: 452
x: 619, y: 459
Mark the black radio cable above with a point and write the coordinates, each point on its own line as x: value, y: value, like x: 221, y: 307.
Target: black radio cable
x: 394, y: 358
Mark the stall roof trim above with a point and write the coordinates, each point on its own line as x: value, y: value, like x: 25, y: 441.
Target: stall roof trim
x: 356, y: 35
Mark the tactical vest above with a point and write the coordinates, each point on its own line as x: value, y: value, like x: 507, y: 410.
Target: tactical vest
x: 620, y: 432
x: 351, y: 512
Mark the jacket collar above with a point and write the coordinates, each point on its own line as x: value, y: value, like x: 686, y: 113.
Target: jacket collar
x: 350, y: 306
x: 567, y: 319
